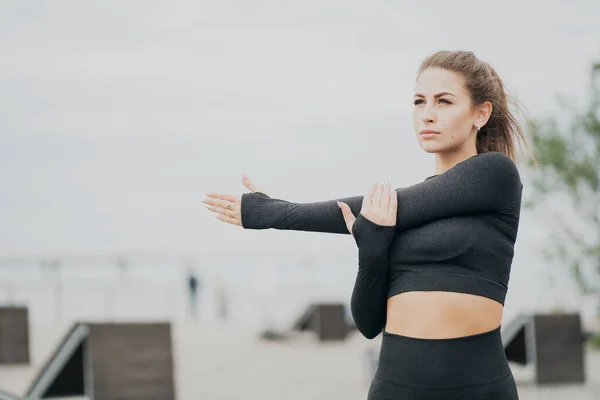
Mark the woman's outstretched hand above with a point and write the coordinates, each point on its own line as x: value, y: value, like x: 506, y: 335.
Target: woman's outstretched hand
x: 380, y: 206
x: 227, y: 207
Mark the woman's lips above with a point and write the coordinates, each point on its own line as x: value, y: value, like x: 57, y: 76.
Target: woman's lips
x: 428, y: 134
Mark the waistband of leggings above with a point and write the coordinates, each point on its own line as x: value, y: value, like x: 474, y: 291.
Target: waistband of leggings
x: 454, y: 362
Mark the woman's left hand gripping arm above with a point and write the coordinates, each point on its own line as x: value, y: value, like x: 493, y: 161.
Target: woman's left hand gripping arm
x: 373, y: 231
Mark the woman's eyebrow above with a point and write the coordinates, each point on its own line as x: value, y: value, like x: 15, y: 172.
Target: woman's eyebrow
x: 435, y: 96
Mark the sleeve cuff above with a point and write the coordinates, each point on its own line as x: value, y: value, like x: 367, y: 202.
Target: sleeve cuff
x: 258, y: 210
x: 369, y: 234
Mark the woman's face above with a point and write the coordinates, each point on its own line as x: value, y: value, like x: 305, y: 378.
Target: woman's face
x: 442, y: 105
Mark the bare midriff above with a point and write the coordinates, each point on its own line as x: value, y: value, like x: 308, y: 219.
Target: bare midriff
x: 441, y: 315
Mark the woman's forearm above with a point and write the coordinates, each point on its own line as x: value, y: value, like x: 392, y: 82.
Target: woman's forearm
x: 259, y: 211
x: 368, y: 303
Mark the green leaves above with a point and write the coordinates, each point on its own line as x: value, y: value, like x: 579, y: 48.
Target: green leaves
x: 568, y: 161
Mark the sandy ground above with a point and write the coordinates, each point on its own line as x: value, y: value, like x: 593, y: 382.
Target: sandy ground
x: 229, y: 362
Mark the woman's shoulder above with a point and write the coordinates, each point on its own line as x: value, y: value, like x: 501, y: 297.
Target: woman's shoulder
x: 492, y: 158
x: 493, y: 163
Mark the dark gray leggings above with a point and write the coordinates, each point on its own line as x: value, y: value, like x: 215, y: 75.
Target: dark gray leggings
x: 464, y: 368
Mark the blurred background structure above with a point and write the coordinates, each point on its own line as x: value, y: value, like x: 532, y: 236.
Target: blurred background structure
x: 118, y: 117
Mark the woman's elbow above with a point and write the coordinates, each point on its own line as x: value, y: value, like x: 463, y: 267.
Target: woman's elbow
x: 369, y: 316
x: 370, y: 332
x: 368, y: 327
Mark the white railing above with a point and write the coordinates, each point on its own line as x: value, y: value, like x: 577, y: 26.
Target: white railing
x: 256, y: 290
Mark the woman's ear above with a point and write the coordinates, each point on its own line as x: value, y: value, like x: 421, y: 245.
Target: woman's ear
x: 483, y: 113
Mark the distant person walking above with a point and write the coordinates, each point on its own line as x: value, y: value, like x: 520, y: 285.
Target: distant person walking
x: 222, y: 307
x: 194, y: 285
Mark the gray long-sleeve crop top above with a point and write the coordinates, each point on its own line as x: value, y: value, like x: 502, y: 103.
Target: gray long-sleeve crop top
x: 454, y: 232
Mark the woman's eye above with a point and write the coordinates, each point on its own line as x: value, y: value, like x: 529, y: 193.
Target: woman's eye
x: 420, y: 101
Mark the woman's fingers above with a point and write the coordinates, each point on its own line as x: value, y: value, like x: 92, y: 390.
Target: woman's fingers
x: 246, y: 181
x: 229, y: 220
x: 349, y: 218
x: 227, y: 201
x: 222, y: 200
x: 393, y: 201
x: 377, y: 195
x: 224, y: 196
x: 227, y: 207
x: 228, y: 212
x: 380, y: 204
x: 385, y: 196
x: 368, y: 199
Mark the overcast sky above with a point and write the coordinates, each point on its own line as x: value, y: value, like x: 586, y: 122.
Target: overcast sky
x: 117, y: 117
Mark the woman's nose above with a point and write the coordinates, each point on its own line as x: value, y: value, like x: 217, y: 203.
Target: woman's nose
x: 428, y: 115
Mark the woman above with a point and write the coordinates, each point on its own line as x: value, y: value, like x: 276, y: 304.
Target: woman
x: 434, y: 259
